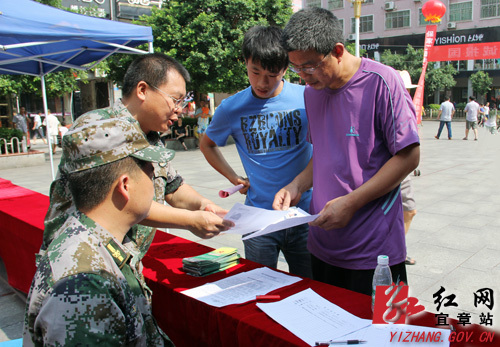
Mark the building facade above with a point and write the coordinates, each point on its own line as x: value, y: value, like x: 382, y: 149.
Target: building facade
x: 392, y: 25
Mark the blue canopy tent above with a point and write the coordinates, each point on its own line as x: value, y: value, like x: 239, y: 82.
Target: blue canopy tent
x: 37, y: 39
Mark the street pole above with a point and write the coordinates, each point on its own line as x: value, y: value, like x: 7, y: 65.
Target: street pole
x: 357, y: 15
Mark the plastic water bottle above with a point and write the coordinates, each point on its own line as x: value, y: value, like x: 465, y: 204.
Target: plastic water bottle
x: 382, y: 275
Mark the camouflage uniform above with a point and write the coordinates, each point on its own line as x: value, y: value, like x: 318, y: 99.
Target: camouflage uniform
x: 166, y: 181
x: 87, y: 278
x: 88, y: 288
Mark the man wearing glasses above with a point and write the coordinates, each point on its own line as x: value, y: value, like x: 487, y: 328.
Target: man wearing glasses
x: 362, y: 127
x: 154, y: 91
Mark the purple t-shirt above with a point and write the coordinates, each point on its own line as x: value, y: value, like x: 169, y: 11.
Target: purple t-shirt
x: 355, y: 130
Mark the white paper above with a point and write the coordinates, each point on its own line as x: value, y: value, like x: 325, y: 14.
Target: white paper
x: 312, y: 318
x: 380, y: 335
x: 241, y: 287
x: 253, y: 221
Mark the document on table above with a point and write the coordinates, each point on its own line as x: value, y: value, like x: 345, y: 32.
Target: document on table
x: 242, y: 287
x: 390, y: 335
x: 312, y: 318
x: 253, y: 221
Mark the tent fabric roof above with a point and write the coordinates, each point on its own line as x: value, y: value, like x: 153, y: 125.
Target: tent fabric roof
x: 36, y: 39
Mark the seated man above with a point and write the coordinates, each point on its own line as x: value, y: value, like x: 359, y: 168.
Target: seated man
x: 87, y: 290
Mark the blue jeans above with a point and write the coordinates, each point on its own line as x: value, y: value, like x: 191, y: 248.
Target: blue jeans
x: 292, y: 242
x: 441, y: 125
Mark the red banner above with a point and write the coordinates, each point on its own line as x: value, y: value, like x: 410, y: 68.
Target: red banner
x: 470, y: 51
x: 418, y: 98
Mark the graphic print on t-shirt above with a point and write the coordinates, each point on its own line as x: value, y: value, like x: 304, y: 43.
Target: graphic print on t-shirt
x: 274, y: 131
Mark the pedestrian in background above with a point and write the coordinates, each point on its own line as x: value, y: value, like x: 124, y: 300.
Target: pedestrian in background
x: 37, y: 127
x: 52, y: 124
x: 20, y: 121
x: 472, y: 111
x: 446, y: 112
x: 491, y: 121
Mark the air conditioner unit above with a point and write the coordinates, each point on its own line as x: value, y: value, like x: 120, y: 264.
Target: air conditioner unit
x: 389, y: 6
x: 351, y: 37
x: 452, y: 25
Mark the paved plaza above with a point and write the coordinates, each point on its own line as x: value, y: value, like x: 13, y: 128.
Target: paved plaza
x: 455, y: 236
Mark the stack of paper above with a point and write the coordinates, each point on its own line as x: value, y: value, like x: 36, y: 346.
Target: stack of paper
x: 211, y: 262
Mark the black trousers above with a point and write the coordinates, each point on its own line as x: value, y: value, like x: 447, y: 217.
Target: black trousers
x: 356, y: 280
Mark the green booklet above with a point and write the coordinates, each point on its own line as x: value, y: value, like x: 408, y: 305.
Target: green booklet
x: 211, y: 262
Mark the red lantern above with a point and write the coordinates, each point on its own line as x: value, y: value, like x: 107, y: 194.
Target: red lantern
x: 433, y: 10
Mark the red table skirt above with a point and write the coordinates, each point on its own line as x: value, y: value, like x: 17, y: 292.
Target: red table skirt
x: 22, y: 212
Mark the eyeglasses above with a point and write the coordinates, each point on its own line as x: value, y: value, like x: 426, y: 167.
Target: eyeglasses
x: 308, y: 70
x: 178, y: 103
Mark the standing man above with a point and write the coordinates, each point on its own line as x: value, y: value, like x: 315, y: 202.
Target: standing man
x: 20, y: 121
x: 446, y: 112
x: 472, y: 110
x: 52, y: 124
x: 269, y: 125
x: 364, y: 135
x: 153, y: 95
x: 37, y: 126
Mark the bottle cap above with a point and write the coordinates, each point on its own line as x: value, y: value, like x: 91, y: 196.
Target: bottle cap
x: 383, y: 260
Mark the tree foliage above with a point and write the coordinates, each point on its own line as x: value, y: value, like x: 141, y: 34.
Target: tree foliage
x: 411, y: 61
x: 206, y: 37
x: 440, y: 78
x: 436, y: 78
x: 481, y: 82
x: 351, y: 48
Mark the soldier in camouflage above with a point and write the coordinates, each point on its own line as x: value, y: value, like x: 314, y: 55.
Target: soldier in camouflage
x: 153, y: 96
x: 88, y: 288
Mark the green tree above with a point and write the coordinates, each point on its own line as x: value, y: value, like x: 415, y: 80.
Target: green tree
x: 411, y: 61
x: 206, y: 37
x: 481, y: 82
x: 437, y: 79
x: 351, y: 48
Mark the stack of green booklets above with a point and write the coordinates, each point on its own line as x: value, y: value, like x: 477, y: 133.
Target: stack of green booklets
x: 205, y: 264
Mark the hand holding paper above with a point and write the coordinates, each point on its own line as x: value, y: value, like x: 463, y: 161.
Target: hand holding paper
x: 224, y: 193
x: 258, y: 221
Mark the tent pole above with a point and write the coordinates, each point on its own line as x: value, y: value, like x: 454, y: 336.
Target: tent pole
x: 46, y: 110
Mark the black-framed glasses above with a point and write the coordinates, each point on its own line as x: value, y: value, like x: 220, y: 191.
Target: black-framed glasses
x: 178, y: 103
x: 308, y: 70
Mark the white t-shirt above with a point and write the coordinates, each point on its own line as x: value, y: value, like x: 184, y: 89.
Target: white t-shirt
x: 472, y: 109
x: 446, y: 109
x: 52, y: 125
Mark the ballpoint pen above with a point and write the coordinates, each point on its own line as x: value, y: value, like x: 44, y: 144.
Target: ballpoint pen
x: 334, y: 343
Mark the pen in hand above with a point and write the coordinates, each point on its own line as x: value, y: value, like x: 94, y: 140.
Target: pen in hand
x: 333, y: 343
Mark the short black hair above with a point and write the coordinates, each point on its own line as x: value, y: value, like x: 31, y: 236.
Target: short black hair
x: 153, y: 69
x: 90, y: 187
x: 262, y: 45
x: 472, y: 98
x: 312, y: 28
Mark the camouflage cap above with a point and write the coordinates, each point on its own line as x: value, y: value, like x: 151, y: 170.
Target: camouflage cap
x: 108, y: 140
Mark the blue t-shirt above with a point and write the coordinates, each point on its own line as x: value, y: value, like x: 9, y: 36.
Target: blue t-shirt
x: 270, y: 135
